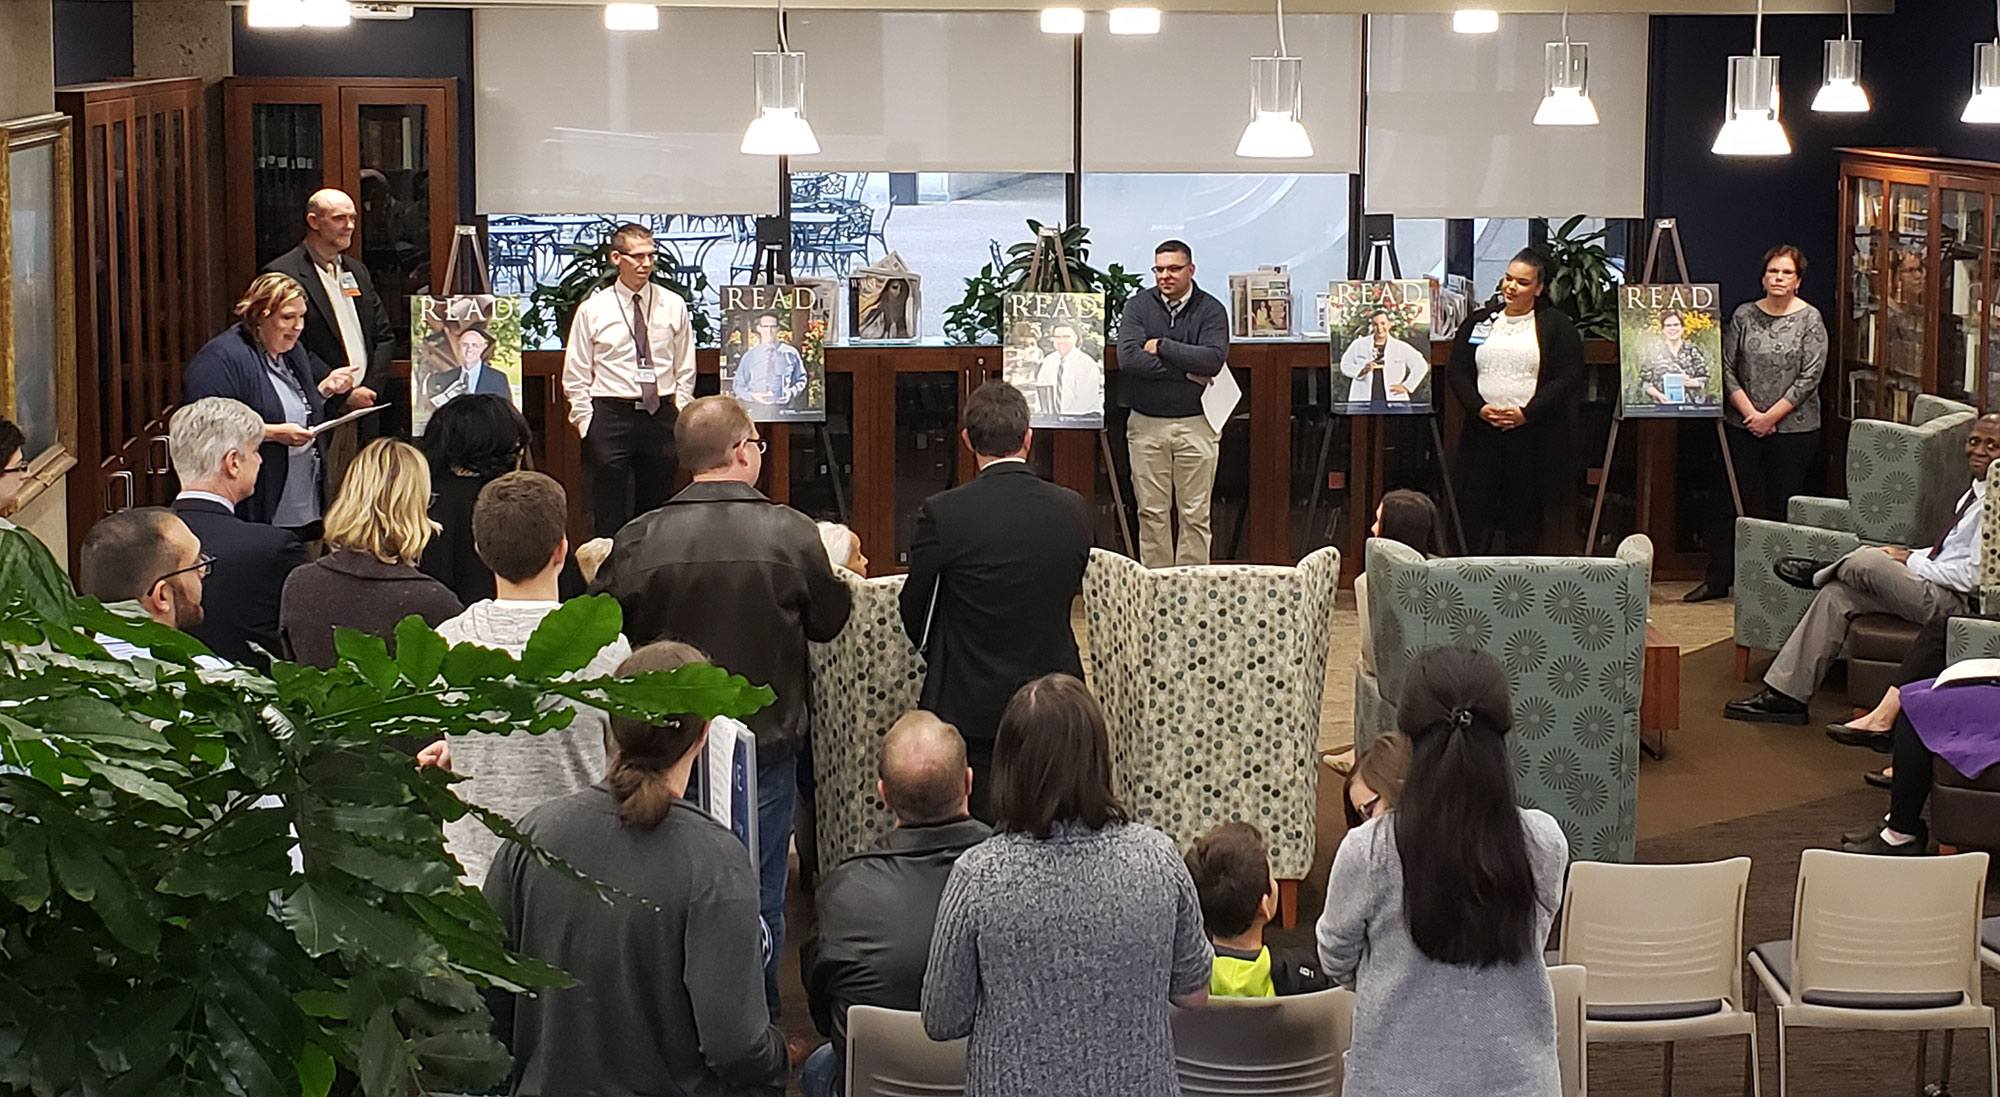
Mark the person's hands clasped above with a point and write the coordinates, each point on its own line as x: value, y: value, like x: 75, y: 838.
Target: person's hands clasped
x: 290, y: 434
x: 1503, y: 418
x: 1761, y: 423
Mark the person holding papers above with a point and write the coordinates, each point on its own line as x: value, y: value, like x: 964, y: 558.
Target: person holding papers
x: 258, y: 361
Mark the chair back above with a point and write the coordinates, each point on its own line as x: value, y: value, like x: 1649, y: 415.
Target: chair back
x: 862, y: 680
x: 1904, y: 479
x: 890, y: 1055
x: 1572, y: 1049
x: 1656, y: 935
x: 1869, y: 930
x: 1271, y: 1047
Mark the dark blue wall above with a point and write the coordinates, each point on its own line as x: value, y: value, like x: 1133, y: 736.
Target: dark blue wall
x: 93, y: 40
x: 1917, y: 67
x: 436, y: 43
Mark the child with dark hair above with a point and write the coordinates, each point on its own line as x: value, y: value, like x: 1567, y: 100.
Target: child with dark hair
x: 1239, y: 897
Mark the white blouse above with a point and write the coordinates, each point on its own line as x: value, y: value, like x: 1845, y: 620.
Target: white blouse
x: 1510, y: 361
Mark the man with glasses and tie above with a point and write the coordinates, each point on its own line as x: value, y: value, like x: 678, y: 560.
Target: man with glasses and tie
x: 1918, y: 586
x: 627, y: 367
x: 1172, y: 341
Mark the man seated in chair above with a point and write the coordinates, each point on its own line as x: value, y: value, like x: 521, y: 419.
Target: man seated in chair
x: 877, y: 909
x: 1915, y: 585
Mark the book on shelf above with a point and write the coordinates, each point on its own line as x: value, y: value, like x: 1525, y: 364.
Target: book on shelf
x: 1261, y: 303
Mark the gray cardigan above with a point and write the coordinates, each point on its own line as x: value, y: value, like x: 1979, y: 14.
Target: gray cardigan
x: 1423, y: 1028
x: 1057, y: 957
x: 1196, y: 341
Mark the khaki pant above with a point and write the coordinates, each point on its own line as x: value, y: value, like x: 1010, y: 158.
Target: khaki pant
x: 1173, y: 468
x: 1866, y: 580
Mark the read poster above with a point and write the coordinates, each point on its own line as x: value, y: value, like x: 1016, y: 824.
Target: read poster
x: 1381, y: 344
x: 1670, y: 351
x: 459, y: 345
x: 774, y: 351
x: 1054, y: 353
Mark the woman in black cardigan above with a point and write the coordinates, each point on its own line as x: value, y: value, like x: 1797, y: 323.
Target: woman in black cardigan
x: 1517, y: 368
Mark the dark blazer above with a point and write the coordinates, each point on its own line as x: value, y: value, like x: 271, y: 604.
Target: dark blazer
x: 1005, y: 555
x: 742, y: 578
x: 231, y: 365
x: 347, y: 589
x: 322, y: 335
x: 876, y: 913
x: 491, y: 382
x: 1556, y: 390
x: 252, y: 561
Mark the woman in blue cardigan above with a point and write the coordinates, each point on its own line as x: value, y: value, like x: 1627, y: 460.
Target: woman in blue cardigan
x: 258, y: 361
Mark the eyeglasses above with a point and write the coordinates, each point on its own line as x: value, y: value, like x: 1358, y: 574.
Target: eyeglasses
x: 1370, y: 809
x: 203, y: 566
x: 757, y: 444
x: 1175, y: 269
x: 642, y: 256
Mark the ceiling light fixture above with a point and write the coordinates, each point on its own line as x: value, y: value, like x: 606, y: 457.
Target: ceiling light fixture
x: 1841, y: 91
x: 1277, y: 105
x: 631, y: 17
x: 780, y: 128
x: 1135, y: 20
x: 274, y: 14
x: 1750, y: 125
x: 326, y: 13
x: 1062, y: 20
x: 1475, y: 21
x: 1566, y: 83
x: 1984, y: 106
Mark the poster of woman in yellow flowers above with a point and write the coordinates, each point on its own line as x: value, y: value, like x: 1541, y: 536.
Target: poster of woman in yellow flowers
x: 1670, y: 350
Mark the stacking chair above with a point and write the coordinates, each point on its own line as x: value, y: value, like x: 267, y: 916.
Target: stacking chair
x: 1888, y: 943
x: 1567, y: 980
x: 889, y: 1055
x: 1660, y: 944
x: 1989, y: 942
x: 1271, y: 1047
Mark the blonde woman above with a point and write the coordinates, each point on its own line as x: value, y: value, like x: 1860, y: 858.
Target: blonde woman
x: 258, y: 361
x: 368, y: 580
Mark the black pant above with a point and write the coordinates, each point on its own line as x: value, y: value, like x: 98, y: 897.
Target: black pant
x: 1514, y: 483
x: 631, y: 460
x: 1910, y: 787
x: 1769, y: 471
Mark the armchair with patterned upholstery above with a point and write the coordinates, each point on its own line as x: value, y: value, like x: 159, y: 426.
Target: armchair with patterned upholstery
x: 1902, y: 483
x: 1211, y: 679
x: 1571, y: 632
x: 862, y: 680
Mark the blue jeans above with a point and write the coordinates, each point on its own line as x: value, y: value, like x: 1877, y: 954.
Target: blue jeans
x: 777, y: 799
x: 822, y: 1075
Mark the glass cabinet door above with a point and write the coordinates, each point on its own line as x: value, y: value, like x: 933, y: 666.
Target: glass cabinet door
x: 287, y: 164
x: 392, y: 197
x: 1961, y: 236
x: 1905, y: 300
x: 926, y: 447
x: 1864, y: 301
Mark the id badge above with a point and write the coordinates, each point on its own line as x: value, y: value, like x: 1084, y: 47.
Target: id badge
x: 1479, y: 332
x: 646, y: 374
x: 349, y: 285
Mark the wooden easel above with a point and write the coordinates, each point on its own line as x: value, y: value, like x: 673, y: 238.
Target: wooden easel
x: 1664, y: 228
x: 773, y: 267
x: 466, y: 238
x: 1049, y: 260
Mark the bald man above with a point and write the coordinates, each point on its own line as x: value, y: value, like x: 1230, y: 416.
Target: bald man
x: 877, y: 909
x: 346, y: 324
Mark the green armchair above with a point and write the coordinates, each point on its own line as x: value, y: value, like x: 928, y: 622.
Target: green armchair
x: 1571, y: 632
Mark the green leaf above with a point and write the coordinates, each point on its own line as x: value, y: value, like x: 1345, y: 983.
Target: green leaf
x: 254, y: 1071
x: 324, y: 920
x: 568, y: 639
x: 138, y: 784
x: 703, y: 689
x: 31, y: 859
x: 395, y: 823
x: 473, y: 1059
x: 384, y: 1059
x: 88, y: 877
x: 386, y: 870
x: 468, y: 664
x: 367, y: 654
x: 324, y: 1004
x: 419, y: 650
x: 315, y: 1072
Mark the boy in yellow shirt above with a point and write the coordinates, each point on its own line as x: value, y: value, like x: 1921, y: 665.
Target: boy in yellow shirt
x: 1239, y: 897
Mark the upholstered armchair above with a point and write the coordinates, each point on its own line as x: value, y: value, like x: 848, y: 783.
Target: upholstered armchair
x: 1211, y: 679
x: 1902, y: 482
x: 1571, y: 632
x: 862, y: 680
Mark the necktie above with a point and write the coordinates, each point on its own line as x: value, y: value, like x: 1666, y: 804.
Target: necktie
x: 649, y: 392
x: 1962, y: 508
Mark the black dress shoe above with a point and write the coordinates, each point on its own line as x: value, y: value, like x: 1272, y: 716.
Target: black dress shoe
x: 1878, y: 779
x: 1768, y: 706
x: 1876, y: 845
x: 1799, y: 571
x: 1877, y: 741
x: 1707, y: 592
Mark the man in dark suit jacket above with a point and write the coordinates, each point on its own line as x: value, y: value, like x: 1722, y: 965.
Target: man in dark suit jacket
x: 994, y: 568
x: 214, y: 446
x: 339, y: 290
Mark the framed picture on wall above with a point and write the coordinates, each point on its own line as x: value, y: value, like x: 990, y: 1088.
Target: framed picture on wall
x: 37, y: 317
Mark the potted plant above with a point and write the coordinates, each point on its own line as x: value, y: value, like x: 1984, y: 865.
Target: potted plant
x: 552, y: 305
x: 1585, y: 284
x: 232, y: 883
x: 976, y: 318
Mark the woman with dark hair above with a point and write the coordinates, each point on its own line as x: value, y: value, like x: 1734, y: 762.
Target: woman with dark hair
x: 1411, y: 518
x: 1377, y: 778
x: 1436, y: 911
x: 669, y: 993
x: 1517, y: 367
x: 470, y: 442
x: 1061, y: 940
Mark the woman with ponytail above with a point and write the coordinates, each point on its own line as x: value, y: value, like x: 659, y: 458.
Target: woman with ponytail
x: 669, y: 992
x: 1437, y: 910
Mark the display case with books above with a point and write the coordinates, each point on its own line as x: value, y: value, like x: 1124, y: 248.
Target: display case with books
x: 1260, y: 304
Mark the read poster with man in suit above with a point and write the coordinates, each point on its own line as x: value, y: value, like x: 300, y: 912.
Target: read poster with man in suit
x: 464, y: 344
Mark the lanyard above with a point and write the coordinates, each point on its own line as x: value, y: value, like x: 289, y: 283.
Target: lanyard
x: 625, y: 313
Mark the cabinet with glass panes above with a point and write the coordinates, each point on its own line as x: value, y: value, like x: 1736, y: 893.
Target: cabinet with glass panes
x: 1919, y: 284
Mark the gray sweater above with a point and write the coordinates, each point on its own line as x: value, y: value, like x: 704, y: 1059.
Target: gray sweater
x: 1423, y: 1028
x: 1196, y: 341
x: 1057, y: 957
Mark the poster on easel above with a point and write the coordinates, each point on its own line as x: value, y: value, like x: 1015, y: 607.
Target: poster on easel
x: 1380, y: 333
x: 1054, y: 353
x: 774, y: 351
x: 470, y: 343
x: 1670, y: 351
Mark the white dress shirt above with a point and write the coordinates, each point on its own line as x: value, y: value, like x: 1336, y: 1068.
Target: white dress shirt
x: 345, y: 317
x: 601, y: 358
x: 1402, y: 364
x: 1955, y: 564
x: 1076, y: 380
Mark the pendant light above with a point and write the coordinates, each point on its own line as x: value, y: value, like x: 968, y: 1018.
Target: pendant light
x: 327, y: 13
x: 631, y: 17
x: 1566, y: 83
x: 1134, y: 21
x: 274, y: 14
x: 780, y: 128
x: 1750, y: 124
x: 1841, y: 92
x: 1067, y: 21
x: 1277, y: 105
x: 1984, y: 106
x: 1475, y: 21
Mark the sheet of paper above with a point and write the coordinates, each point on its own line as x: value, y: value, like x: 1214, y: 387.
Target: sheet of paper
x: 348, y: 418
x: 1219, y: 399
x: 718, y: 770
